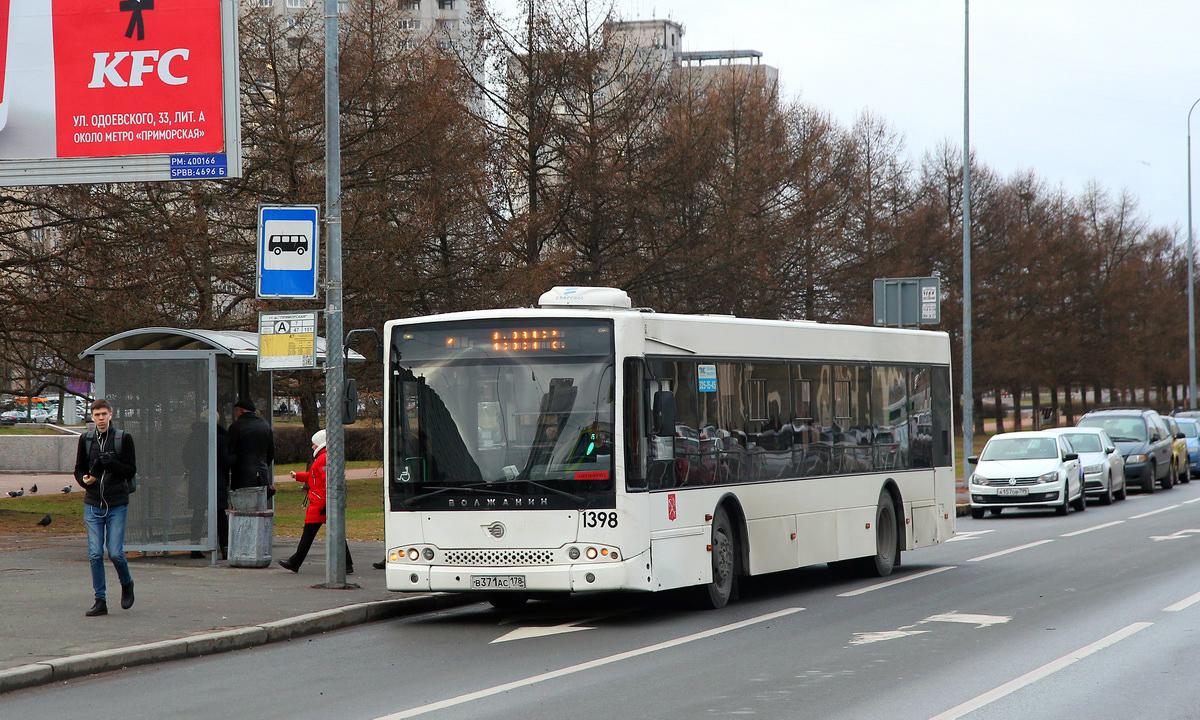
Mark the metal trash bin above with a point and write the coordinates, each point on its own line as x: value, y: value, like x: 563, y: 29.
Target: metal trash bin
x: 249, y: 500
x: 251, y: 528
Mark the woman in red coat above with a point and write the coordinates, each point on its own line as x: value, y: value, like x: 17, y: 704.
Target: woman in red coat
x: 314, y: 517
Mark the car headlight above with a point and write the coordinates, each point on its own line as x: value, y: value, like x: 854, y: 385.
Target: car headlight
x: 977, y: 479
x: 1135, y: 459
x: 1049, y: 477
x: 1088, y: 469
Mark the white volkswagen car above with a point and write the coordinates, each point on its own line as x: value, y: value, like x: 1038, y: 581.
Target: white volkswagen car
x: 1103, y: 464
x: 1026, y: 469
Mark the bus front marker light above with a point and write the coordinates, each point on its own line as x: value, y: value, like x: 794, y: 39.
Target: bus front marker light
x: 614, y: 555
x: 413, y: 578
x: 395, y: 556
x: 604, y: 552
x: 590, y: 577
x: 413, y: 554
x: 591, y: 553
x: 573, y: 553
x: 428, y: 553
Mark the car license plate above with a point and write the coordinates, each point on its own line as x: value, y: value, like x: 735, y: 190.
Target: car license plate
x: 498, y: 582
x: 1012, y: 491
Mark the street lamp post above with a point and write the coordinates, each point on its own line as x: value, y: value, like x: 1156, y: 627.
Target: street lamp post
x: 968, y: 391
x: 1191, y: 261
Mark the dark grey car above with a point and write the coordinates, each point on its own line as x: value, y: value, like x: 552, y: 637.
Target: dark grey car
x: 1143, y: 439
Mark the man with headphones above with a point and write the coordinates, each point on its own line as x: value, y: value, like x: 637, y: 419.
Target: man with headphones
x: 104, y: 465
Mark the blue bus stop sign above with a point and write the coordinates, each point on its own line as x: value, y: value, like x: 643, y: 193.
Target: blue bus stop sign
x: 288, y: 249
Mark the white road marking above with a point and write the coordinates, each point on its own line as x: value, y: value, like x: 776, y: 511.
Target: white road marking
x: 1189, y: 502
x: 897, y: 581
x: 1183, y: 604
x: 874, y: 637
x: 524, y: 633
x: 581, y: 667
x: 1010, y: 550
x: 1178, y: 535
x: 1044, y: 671
x: 970, y: 535
x: 1154, y: 512
x: 1094, y: 527
x: 979, y: 621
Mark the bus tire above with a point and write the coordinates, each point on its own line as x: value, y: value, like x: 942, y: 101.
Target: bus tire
x: 887, y: 539
x: 507, y: 600
x: 717, y: 593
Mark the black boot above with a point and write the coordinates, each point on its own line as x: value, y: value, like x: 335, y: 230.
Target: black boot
x: 379, y: 565
x: 289, y: 565
x: 100, y: 608
x: 127, y: 596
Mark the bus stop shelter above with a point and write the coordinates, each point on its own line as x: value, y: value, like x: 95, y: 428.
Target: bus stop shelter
x: 169, y: 389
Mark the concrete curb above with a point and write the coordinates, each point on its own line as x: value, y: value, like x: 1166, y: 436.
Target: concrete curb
x: 65, y: 668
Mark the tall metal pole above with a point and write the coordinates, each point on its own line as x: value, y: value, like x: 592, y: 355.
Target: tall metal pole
x: 335, y: 455
x: 1191, y: 260
x: 968, y: 391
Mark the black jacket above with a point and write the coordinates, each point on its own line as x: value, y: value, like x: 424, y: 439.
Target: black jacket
x: 111, y: 489
x: 253, y: 444
x: 225, y: 461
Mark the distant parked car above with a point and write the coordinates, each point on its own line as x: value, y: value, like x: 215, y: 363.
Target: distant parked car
x: 1179, y: 451
x: 1103, y: 464
x: 1190, y: 427
x: 1026, y: 469
x: 20, y: 415
x: 1143, y: 438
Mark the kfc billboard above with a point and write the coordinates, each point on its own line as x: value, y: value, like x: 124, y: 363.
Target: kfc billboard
x: 118, y: 90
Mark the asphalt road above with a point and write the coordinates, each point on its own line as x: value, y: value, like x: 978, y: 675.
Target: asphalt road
x: 1025, y: 615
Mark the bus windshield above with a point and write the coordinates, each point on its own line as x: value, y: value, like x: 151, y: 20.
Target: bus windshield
x: 502, y: 414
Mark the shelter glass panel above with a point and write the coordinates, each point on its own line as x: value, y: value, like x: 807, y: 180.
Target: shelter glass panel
x: 162, y: 404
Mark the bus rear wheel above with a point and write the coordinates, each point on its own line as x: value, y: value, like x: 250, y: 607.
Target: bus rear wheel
x: 887, y: 540
x: 717, y: 593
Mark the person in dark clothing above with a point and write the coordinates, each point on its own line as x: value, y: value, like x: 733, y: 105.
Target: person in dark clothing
x: 225, y: 460
x: 104, y: 473
x: 252, y: 443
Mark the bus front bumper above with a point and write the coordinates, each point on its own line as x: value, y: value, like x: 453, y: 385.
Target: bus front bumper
x: 581, y: 577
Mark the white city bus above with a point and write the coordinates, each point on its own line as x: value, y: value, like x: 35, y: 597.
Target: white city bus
x: 589, y: 446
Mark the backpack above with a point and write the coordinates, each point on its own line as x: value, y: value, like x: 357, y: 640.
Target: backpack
x: 89, y: 437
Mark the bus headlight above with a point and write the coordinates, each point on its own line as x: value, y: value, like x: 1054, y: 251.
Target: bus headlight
x: 591, y: 553
x: 428, y: 553
x: 573, y: 553
x: 414, y: 554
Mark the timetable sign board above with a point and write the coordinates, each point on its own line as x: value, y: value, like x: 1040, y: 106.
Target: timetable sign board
x: 287, y: 340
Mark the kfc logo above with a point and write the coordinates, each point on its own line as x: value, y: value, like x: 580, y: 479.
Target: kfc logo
x: 143, y: 62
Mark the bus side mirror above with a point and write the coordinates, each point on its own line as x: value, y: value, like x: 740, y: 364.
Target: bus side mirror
x: 663, y: 409
x: 349, y: 402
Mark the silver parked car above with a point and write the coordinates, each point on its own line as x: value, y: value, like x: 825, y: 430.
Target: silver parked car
x: 1103, y: 464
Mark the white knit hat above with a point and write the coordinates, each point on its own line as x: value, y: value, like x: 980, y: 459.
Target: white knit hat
x: 318, y: 439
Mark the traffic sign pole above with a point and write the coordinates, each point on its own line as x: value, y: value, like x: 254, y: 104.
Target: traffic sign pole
x: 335, y: 456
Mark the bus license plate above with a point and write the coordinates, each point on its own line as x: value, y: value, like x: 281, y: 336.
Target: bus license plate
x: 1012, y: 491
x: 498, y: 582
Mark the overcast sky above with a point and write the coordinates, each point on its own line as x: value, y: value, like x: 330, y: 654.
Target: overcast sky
x: 1072, y: 89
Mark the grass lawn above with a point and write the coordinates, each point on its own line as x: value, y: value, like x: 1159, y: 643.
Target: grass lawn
x: 27, y: 431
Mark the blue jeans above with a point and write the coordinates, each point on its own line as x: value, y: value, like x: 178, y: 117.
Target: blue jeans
x: 106, y: 525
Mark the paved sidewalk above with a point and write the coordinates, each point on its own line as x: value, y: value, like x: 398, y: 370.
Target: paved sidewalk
x: 183, y: 608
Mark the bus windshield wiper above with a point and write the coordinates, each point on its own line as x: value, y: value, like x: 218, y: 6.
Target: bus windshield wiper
x: 472, y: 488
x: 577, y: 499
